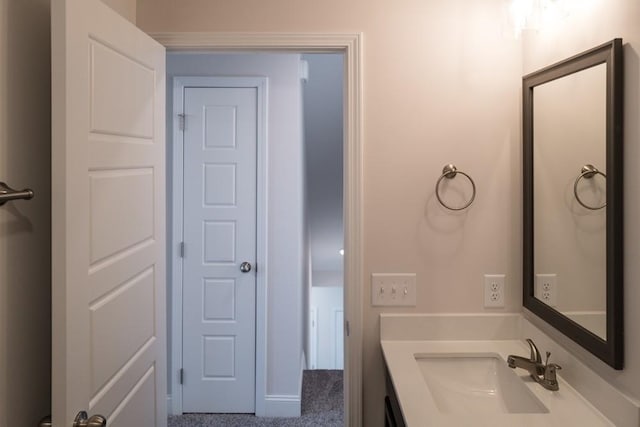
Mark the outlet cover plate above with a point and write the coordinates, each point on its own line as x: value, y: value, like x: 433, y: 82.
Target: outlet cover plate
x: 494, y: 289
x: 546, y: 289
x: 393, y: 289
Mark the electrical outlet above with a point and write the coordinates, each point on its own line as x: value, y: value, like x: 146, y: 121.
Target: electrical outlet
x: 494, y: 289
x: 393, y: 289
x: 546, y: 289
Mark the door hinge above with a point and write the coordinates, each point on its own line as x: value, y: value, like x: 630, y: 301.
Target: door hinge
x: 303, y: 71
x: 346, y: 327
x: 181, y: 376
x: 181, y: 249
x: 181, y: 119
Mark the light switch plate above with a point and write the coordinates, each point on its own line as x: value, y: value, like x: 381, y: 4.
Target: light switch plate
x: 393, y: 289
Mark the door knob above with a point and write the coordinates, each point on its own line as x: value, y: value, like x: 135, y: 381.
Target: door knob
x: 83, y: 420
x: 45, y: 422
x: 245, y: 267
x: 7, y: 193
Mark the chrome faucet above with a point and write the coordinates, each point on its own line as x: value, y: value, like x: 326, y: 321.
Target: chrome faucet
x: 543, y: 374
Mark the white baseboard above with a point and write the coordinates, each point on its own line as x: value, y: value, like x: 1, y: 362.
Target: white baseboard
x: 286, y: 405
x: 283, y: 405
x: 275, y: 405
x: 303, y: 366
x: 170, y: 405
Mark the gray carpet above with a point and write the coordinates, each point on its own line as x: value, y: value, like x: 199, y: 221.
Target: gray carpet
x: 322, y: 406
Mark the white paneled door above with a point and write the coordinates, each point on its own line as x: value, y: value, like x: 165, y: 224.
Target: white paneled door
x: 108, y: 213
x: 219, y: 283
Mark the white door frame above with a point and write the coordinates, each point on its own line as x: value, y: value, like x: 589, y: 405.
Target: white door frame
x: 351, y: 46
x: 177, y: 235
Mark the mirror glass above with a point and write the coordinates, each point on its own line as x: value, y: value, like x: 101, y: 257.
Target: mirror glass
x: 569, y: 130
x: 572, y: 152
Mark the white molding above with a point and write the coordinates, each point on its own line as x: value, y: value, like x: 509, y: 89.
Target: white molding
x: 313, y: 337
x: 337, y: 355
x: 353, y: 223
x: 278, y: 42
x: 179, y: 84
x: 174, y: 244
x: 303, y: 364
x: 350, y: 44
x: 282, y: 405
x: 170, y: 404
x: 262, y: 221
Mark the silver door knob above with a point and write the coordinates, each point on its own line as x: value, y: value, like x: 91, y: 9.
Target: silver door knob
x: 45, y: 422
x: 245, y: 267
x: 83, y: 420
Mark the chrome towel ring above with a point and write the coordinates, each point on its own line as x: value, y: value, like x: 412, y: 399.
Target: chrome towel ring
x: 449, y: 172
x: 587, y: 172
x: 7, y: 193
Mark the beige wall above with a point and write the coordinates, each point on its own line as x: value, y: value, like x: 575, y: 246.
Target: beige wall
x: 25, y: 283
x: 598, y: 22
x: 441, y: 84
x: 126, y: 8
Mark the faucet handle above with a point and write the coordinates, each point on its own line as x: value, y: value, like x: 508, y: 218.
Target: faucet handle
x: 550, y: 373
x: 535, y: 353
x: 550, y: 368
x: 553, y: 365
x: 550, y: 381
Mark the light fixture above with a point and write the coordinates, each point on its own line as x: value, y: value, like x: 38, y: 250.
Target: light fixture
x: 522, y: 14
x: 341, y: 251
x: 541, y: 14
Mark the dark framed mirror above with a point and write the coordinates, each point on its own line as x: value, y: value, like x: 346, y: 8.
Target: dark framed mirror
x: 573, y: 206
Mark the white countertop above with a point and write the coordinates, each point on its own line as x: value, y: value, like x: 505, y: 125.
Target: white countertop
x: 566, y: 407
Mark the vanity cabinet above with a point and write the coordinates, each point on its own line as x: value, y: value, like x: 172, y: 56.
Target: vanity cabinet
x: 392, y: 413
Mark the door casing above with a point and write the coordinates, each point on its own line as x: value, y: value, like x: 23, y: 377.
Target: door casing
x: 350, y: 45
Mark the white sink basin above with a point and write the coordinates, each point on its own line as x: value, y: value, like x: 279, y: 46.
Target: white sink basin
x: 476, y: 384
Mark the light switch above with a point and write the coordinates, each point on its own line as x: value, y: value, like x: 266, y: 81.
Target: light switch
x: 393, y: 289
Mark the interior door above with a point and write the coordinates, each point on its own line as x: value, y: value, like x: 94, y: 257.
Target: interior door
x: 108, y: 209
x: 219, y: 283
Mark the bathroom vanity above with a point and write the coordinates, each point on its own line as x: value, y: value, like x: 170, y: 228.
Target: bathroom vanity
x: 451, y: 370
x: 455, y: 383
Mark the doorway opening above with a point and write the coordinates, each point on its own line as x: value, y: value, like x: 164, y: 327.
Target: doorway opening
x: 323, y: 140
x: 352, y: 269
